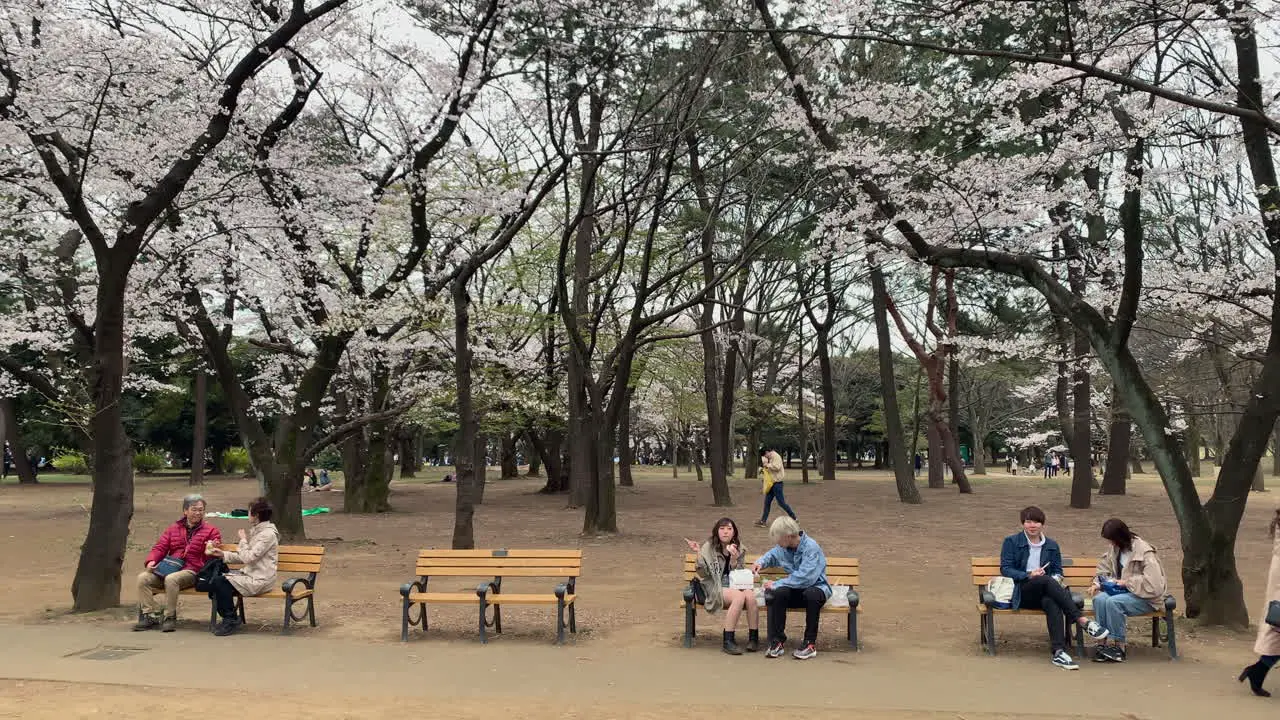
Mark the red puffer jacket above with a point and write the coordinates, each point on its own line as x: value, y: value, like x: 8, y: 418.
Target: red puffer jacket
x: 175, y: 541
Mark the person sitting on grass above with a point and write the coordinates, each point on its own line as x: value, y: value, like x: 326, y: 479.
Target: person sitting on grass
x: 184, y: 541
x: 1034, y: 562
x: 804, y: 586
x: 722, y: 552
x: 258, y: 552
x: 1131, y: 565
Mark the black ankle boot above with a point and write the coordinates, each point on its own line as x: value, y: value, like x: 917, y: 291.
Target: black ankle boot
x: 730, y: 644
x: 753, y: 640
x: 1255, y: 673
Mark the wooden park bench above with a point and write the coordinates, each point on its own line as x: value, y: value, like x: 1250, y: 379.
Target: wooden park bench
x: 840, y: 571
x: 296, y: 560
x: 1076, y: 576
x: 495, y: 565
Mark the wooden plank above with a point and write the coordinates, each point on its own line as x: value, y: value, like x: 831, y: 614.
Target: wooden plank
x: 432, y: 553
x: 499, y: 599
x: 298, y: 568
x: 437, y: 571
x: 501, y: 562
x: 284, y: 549
x: 692, y: 559
x: 1066, y: 562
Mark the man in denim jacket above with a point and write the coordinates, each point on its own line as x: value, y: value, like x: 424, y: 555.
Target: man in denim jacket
x: 805, y: 585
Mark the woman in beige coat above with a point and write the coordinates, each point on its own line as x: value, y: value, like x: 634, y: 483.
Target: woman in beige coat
x: 1268, y: 643
x: 258, y: 552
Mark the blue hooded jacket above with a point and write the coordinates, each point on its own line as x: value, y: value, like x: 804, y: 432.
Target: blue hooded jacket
x: 806, y: 566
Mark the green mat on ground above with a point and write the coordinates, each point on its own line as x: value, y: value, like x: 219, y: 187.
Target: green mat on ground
x: 245, y: 513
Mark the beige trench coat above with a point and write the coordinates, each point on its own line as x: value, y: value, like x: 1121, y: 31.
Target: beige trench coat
x: 1268, y: 637
x: 260, y: 556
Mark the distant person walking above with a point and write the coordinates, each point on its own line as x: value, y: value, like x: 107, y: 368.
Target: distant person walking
x: 771, y: 470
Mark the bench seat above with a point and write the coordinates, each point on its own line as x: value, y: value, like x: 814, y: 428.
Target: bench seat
x: 1075, y: 575
x: 301, y: 561
x: 840, y: 571
x: 493, y: 566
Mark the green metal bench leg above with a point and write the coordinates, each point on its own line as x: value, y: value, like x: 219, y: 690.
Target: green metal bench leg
x: 1170, y: 639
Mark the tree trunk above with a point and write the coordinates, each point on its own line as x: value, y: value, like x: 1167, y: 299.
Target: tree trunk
x: 828, y: 407
x: 97, y: 580
x: 1275, y: 451
x: 548, y: 448
x: 937, y: 478
x: 903, y: 473
x: 1259, y: 484
x: 751, y: 463
x: 410, y: 451
x: 1118, y: 444
x: 953, y: 399
x: 716, y: 440
x: 1193, y: 445
x: 510, y: 468
x: 535, y: 459
x: 1136, y: 462
x: 624, y: 443
x: 1081, y: 447
x: 200, y: 432
x: 368, y: 488
x: 600, y: 514
x: 465, y: 461
x: 17, y: 446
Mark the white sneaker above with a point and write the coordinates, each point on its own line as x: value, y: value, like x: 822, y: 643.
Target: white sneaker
x: 1064, y: 661
x: 1096, y: 631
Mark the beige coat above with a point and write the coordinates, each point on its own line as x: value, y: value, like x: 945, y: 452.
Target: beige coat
x: 1268, y: 637
x: 710, y: 568
x: 260, y: 556
x: 1142, y: 574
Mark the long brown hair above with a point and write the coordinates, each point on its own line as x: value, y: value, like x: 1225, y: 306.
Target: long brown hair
x: 1275, y: 522
x: 715, y: 534
x: 1117, y: 532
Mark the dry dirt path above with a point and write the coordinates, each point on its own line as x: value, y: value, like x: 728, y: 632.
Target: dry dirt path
x: 49, y: 671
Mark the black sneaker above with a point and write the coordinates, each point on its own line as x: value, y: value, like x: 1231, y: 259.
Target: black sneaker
x: 169, y: 624
x: 1064, y: 661
x: 1096, y: 631
x: 1117, y: 653
x: 1102, y: 654
x: 146, y: 622
x: 227, y: 627
x: 806, y: 652
x: 775, y: 650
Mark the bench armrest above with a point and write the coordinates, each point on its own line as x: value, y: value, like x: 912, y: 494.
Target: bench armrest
x: 688, y: 593
x: 986, y: 597
x: 854, y: 598
x: 288, y: 585
x: 1170, y: 603
x: 1078, y: 599
x: 407, y: 589
x: 561, y: 590
x: 486, y: 587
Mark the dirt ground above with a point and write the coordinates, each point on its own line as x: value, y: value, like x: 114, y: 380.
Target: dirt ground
x: 917, y: 597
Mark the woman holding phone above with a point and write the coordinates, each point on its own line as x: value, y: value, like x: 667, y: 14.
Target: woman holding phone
x: 721, y: 553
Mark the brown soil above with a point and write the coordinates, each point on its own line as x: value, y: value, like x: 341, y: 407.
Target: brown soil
x: 918, y: 600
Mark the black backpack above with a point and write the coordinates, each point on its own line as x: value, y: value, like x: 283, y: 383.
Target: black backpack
x: 212, y: 569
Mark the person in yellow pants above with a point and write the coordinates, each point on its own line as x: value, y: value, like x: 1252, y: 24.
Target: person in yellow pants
x: 772, y: 472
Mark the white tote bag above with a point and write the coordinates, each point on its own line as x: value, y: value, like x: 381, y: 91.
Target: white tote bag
x: 1001, y: 588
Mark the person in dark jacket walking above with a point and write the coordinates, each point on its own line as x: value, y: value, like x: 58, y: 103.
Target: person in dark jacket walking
x: 1034, y: 562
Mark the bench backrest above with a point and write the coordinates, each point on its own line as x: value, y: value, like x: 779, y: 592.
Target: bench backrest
x: 499, y: 563
x: 1076, y: 574
x: 293, y: 559
x: 840, y: 570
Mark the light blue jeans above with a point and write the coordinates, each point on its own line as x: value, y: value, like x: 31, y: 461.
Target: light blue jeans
x: 1111, y: 611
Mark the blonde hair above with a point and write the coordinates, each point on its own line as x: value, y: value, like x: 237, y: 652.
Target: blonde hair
x: 783, y: 526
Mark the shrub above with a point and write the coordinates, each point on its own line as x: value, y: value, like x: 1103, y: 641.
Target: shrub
x: 148, y: 461
x: 330, y: 459
x: 71, y: 462
x: 235, y: 460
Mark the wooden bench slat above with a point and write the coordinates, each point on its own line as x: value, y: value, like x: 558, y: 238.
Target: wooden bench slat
x: 509, y: 571
x: 509, y: 554
x: 500, y: 562
x: 499, y: 599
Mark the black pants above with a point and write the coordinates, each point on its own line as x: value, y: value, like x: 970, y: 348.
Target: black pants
x: 811, y: 599
x: 224, y: 597
x: 1046, y: 594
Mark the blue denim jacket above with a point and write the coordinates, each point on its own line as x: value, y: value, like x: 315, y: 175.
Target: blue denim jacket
x: 806, y: 566
x: 1013, y: 561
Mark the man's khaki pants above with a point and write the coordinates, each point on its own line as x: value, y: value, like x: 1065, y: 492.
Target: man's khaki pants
x: 172, y: 583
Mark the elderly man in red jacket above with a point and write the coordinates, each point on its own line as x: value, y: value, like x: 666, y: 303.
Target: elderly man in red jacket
x: 184, y: 540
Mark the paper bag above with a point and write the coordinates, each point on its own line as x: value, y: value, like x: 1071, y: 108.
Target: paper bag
x: 741, y: 579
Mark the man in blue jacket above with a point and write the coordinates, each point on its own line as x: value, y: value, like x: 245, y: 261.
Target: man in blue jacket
x: 1033, y: 561
x: 805, y: 586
